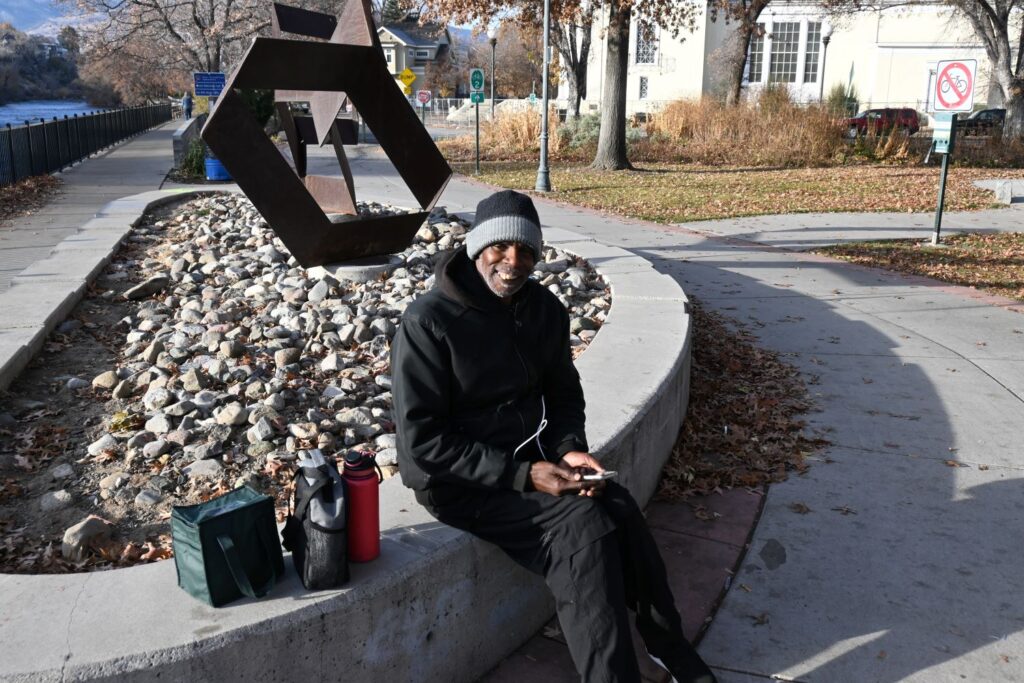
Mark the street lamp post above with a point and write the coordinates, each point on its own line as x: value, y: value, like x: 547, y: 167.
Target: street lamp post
x: 492, y: 35
x: 543, y: 179
x: 826, y: 35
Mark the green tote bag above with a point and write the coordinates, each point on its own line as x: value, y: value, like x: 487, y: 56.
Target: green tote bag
x: 227, y: 547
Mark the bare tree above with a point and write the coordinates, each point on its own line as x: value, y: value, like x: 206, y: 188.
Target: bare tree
x: 731, y: 58
x: 181, y: 35
x: 572, y: 36
x: 993, y: 23
x: 673, y: 17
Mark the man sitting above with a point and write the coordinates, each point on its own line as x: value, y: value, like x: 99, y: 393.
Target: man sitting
x: 489, y: 412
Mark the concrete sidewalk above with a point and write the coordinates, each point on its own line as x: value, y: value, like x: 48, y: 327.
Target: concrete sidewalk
x: 906, y: 567
x: 137, y: 165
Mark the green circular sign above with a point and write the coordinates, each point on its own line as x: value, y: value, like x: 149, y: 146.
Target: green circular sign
x: 476, y: 79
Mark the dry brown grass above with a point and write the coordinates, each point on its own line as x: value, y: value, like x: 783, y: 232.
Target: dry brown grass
x: 510, y: 137
x: 772, y: 132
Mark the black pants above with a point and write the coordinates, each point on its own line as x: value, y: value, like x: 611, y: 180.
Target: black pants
x: 597, y: 557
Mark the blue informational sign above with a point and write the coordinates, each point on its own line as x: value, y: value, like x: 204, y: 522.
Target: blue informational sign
x: 208, y: 83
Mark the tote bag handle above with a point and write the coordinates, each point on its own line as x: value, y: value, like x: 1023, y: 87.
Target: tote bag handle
x: 238, y: 571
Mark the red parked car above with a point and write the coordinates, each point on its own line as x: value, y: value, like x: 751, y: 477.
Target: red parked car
x: 878, y: 121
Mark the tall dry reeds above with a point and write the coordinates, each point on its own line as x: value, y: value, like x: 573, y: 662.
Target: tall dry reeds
x: 512, y: 136
x: 772, y: 132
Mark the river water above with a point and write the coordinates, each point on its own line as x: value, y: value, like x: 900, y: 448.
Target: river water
x: 17, y: 113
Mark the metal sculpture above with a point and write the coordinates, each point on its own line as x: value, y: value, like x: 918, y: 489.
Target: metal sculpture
x: 349, y: 67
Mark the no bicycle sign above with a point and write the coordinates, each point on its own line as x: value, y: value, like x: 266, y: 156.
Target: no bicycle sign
x: 954, y: 85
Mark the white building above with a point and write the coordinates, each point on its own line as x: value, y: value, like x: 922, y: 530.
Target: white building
x: 888, y: 56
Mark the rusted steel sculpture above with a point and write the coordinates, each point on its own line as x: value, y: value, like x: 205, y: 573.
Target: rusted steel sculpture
x: 350, y: 66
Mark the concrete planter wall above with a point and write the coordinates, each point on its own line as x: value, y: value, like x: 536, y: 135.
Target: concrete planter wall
x: 436, y: 606
x: 183, y: 137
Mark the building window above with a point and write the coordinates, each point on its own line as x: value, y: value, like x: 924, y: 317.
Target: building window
x: 390, y: 56
x: 646, y: 43
x: 643, y: 87
x: 785, y: 48
x: 756, y: 58
x: 423, y: 53
x: 813, y: 49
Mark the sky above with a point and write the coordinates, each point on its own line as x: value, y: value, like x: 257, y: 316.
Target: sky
x: 28, y: 14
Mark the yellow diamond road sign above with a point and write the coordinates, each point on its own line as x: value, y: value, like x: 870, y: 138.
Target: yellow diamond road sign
x: 407, y: 89
x: 407, y: 76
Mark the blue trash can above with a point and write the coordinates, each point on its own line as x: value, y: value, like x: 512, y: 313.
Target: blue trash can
x: 215, y: 170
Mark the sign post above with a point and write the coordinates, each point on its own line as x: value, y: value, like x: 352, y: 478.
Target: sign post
x: 954, y: 92
x: 476, y: 96
x: 423, y: 97
x: 945, y: 130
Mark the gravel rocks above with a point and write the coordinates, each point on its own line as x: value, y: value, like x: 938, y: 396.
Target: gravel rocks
x: 105, y: 442
x: 54, y: 500
x: 81, y: 536
x: 107, y: 380
x: 147, y: 288
x: 234, y: 358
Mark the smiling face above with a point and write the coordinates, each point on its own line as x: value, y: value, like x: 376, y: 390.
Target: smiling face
x: 505, y: 267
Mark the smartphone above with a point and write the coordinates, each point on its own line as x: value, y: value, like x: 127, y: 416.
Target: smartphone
x: 601, y: 476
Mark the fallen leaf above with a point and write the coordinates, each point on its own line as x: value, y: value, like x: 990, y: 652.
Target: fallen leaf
x: 799, y: 508
x: 844, y: 510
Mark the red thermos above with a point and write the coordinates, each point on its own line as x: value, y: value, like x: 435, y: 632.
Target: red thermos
x: 362, y: 478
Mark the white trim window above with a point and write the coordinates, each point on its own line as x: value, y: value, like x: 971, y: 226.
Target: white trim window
x: 423, y: 54
x: 646, y: 42
x: 643, y: 87
x: 812, y: 52
x: 785, y: 52
x: 755, y: 60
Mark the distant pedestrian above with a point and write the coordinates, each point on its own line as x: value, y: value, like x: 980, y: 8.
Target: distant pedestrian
x: 186, y: 105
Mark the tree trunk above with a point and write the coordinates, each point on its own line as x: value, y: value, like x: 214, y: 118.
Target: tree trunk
x: 574, y: 97
x: 575, y: 58
x: 734, y: 63
x: 1013, y: 127
x: 611, y: 142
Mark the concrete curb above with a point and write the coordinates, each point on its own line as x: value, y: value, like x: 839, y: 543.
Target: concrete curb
x: 437, y: 605
x: 43, y: 295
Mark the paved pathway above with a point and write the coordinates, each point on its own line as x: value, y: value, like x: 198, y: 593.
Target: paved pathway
x: 907, y: 566
x: 138, y: 165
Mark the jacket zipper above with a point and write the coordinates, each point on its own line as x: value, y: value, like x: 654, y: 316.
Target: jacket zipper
x: 515, y: 344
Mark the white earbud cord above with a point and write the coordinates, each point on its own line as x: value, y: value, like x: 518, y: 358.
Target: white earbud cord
x: 536, y: 435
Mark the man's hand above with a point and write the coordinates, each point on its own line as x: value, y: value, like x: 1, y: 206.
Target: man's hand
x: 584, y: 463
x: 557, y: 480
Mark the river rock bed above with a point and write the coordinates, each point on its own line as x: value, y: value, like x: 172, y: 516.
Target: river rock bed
x: 205, y: 358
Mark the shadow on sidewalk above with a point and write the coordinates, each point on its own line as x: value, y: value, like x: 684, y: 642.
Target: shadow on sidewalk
x: 909, y: 557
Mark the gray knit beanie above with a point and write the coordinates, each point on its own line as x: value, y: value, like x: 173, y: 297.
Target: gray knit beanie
x: 505, y: 216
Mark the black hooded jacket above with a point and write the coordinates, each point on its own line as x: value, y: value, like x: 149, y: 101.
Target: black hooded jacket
x: 469, y: 372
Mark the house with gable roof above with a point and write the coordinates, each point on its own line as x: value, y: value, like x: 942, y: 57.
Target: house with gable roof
x: 410, y: 44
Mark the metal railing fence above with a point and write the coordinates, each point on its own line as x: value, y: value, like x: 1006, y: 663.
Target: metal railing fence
x: 37, y: 148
